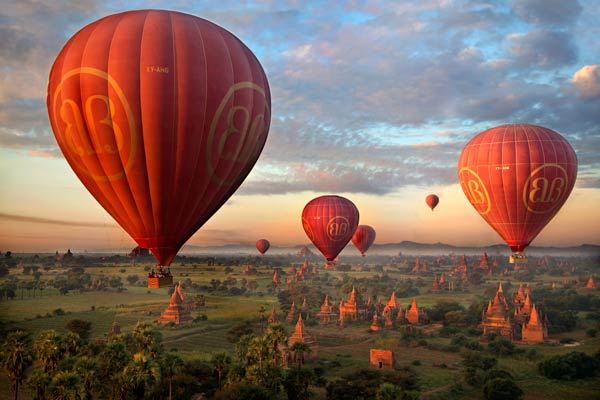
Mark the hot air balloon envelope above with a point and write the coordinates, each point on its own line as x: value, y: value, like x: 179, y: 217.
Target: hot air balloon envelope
x: 363, y: 238
x: 517, y: 177
x: 432, y: 201
x: 161, y: 115
x: 330, y: 222
x: 262, y: 245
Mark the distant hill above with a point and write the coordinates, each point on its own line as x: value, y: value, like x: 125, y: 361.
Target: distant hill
x: 406, y: 247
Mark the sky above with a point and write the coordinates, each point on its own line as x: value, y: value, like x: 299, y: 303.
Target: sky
x: 372, y: 100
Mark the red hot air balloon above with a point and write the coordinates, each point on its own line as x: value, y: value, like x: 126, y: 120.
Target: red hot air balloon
x: 262, y: 245
x: 432, y: 201
x: 517, y: 177
x: 330, y: 222
x: 363, y: 238
x: 161, y: 115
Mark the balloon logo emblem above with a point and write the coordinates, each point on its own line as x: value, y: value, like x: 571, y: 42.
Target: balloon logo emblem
x: 545, y: 188
x: 475, y: 190
x: 229, y: 130
x: 337, y: 228
x: 92, y: 132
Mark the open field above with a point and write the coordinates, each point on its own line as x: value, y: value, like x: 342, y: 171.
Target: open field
x: 341, y: 351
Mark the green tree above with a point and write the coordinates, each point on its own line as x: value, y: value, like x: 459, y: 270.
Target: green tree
x: 140, y: 375
x: 170, y: 365
x: 148, y: 340
x: 388, y: 391
x: 38, y: 382
x: 49, y: 350
x: 87, y: 370
x: 502, y: 389
x: 65, y: 385
x: 297, y: 382
x: 16, y: 357
x: 299, y: 350
x: 80, y: 327
x: 220, y: 362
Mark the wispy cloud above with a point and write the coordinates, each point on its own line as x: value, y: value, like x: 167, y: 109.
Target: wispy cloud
x: 49, y: 221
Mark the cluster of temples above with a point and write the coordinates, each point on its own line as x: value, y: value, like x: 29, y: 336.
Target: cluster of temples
x: 527, y: 324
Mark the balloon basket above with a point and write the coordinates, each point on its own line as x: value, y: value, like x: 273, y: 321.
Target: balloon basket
x: 157, y: 283
x: 330, y: 266
x: 517, y: 258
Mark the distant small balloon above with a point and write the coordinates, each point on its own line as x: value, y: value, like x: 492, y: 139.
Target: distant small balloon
x: 363, y: 238
x: 432, y: 201
x: 262, y: 245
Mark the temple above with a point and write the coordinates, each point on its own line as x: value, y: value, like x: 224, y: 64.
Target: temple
x: 591, y: 284
x: 381, y: 359
x: 420, y: 266
x: 414, y: 315
x: 495, y: 317
x: 353, y: 308
x: 179, y: 310
x: 435, y: 286
x: 535, y: 330
x: 327, y: 312
x: 300, y: 336
x: 291, y: 315
x: 273, y: 319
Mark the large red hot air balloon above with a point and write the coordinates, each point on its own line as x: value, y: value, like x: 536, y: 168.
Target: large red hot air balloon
x: 517, y: 177
x: 432, y: 201
x: 262, y: 245
x: 161, y: 115
x: 363, y: 238
x: 330, y: 222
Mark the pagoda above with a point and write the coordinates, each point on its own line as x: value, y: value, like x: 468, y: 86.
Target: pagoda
x: 495, y: 317
x: 442, y: 281
x: 419, y: 266
x: 375, y: 324
x: 276, y: 278
x: 353, y: 308
x: 590, y: 283
x: 300, y: 336
x: 462, y: 268
x: 435, y: 286
x: 414, y: 315
x: 273, y: 319
x: 523, y: 311
x: 304, y: 309
x: 179, y: 310
x: 392, y: 302
x: 327, y: 312
x: 484, y: 262
x: 534, y: 330
x: 291, y: 315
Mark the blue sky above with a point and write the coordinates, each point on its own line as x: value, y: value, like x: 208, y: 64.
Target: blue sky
x: 369, y: 97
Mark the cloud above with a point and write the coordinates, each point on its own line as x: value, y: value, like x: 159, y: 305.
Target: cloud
x: 39, y: 220
x: 587, y: 81
x: 542, y: 48
x: 550, y: 12
x: 366, y: 97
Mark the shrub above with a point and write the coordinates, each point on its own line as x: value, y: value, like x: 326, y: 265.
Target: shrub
x: 502, y: 389
x: 573, y: 365
x: 58, y: 312
x: 80, y: 327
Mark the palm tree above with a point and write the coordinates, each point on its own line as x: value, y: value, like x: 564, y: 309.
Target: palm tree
x: 65, y: 385
x: 49, y: 350
x: 220, y: 362
x: 260, y: 351
x: 140, y: 375
x: 299, y: 349
x: 261, y: 313
x: 38, y: 382
x: 276, y: 335
x: 171, y: 365
x: 16, y: 357
x: 148, y: 340
x: 87, y: 369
